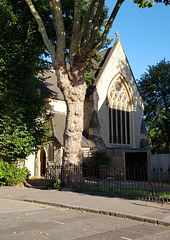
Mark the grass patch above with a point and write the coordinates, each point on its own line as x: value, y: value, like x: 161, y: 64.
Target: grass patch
x: 125, y: 192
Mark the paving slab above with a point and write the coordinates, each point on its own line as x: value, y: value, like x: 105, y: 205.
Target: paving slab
x: 156, y: 213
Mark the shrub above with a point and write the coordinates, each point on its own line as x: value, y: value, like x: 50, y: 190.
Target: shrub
x: 11, y: 174
x: 97, y: 159
x: 57, y: 184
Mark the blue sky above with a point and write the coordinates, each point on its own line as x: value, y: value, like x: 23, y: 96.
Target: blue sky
x: 144, y: 33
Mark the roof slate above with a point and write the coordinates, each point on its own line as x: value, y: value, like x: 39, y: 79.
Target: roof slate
x: 58, y: 122
x: 49, y: 88
x: 103, y: 55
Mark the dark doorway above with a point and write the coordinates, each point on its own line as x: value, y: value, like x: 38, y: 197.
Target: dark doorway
x: 42, y: 163
x: 136, y: 166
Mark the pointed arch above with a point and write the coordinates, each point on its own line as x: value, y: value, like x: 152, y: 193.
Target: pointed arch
x: 119, y: 94
x: 120, y: 107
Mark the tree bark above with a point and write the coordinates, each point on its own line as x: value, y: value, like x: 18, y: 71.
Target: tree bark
x: 74, y: 124
x: 71, y: 81
x: 74, y: 94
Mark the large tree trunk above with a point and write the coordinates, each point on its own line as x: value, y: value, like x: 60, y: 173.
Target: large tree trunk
x: 72, y: 84
x: 74, y: 91
x: 74, y: 124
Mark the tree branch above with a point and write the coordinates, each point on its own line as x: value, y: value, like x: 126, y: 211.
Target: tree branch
x: 61, y: 36
x: 91, y: 52
x: 87, y: 32
x: 58, y: 59
x: 54, y: 22
x: 42, y: 30
x: 76, y: 29
x: 92, y: 39
x: 85, y: 23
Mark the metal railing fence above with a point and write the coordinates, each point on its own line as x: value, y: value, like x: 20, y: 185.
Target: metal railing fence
x: 128, y: 183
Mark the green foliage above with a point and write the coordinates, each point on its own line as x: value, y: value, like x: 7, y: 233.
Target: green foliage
x: 21, y: 51
x: 16, y: 141
x: 57, y: 184
x: 154, y: 87
x: 11, y: 174
x: 21, y: 105
x: 150, y: 3
x: 89, y: 73
x: 68, y: 13
x: 131, y: 193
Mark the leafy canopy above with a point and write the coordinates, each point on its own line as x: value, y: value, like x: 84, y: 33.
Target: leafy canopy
x: 81, y: 28
x: 21, y: 105
x: 154, y: 87
x: 146, y: 3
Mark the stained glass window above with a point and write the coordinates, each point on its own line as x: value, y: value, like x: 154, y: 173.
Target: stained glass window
x: 119, y: 112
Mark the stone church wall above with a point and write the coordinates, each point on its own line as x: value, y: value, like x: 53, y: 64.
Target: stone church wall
x: 54, y: 151
x: 117, y: 64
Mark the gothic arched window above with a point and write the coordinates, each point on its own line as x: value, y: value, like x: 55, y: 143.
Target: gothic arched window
x: 120, y: 107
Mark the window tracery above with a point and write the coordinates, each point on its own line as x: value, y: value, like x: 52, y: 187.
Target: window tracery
x: 120, y: 107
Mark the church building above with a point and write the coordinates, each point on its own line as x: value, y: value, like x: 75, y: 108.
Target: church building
x: 113, y: 116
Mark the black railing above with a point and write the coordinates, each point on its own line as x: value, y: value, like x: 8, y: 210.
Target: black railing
x: 129, y: 183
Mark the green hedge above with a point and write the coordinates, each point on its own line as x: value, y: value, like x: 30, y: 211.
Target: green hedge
x: 11, y: 174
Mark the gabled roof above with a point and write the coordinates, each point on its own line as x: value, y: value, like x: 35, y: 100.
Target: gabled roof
x: 58, y: 123
x: 108, y: 56
x: 103, y: 54
x: 49, y: 88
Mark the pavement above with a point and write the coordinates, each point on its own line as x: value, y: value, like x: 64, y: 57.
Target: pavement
x: 145, y: 211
